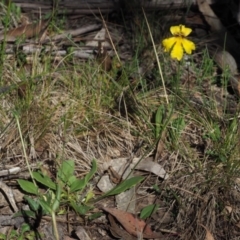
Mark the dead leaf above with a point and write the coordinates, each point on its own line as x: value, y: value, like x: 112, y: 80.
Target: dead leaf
x: 150, y: 166
x: 118, y: 232
x: 229, y: 209
x: 28, y: 30
x: 210, y: 16
x: 132, y: 224
x: 82, y: 234
x: 209, y: 236
x: 114, y: 175
x: 225, y: 60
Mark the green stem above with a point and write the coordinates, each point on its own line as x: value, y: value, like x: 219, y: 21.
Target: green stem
x: 54, y: 223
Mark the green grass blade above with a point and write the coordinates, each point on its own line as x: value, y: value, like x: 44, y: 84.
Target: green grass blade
x: 125, y: 185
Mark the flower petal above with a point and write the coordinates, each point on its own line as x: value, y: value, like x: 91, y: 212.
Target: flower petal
x: 185, y: 31
x: 180, y: 30
x: 168, y: 43
x: 188, y: 45
x: 175, y: 30
x: 177, y: 50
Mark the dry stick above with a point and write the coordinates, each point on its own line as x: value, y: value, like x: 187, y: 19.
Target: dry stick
x: 74, y: 33
x: 158, y: 63
x: 9, y: 194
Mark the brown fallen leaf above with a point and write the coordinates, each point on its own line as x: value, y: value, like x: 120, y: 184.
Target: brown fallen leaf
x: 28, y: 30
x: 210, y: 16
x: 132, y: 224
x: 150, y: 166
x: 82, y: 234
x: 209, y: 236
x: 114, y: 176
x: 118, y: 232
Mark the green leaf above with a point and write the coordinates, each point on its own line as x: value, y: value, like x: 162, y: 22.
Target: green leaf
x: 20, y: 237
x: 28, y: 213
x: 156, y: 188
x: 45, y: 180
x: 55, y: 205
x: 45, y: 206
x: 80, y: 184
x: 66, y: 170
x: 92, y: 172
x: 22, y: 213
x: 2, y: 236
x: 56, y: 202
x: 124, y: 185
x: 80, y: 209
x: 148, y: 211
x: 159, y: 119
x: 95, y: 216
x: 71, y: 180
x: 33, y: 204
x: 13, y: 233
x: 25, y: 228
x: 28, y: 187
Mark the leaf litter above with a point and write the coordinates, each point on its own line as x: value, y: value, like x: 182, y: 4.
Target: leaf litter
x: 133, y: 225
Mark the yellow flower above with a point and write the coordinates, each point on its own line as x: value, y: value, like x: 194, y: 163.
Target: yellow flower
x: 178, y: 43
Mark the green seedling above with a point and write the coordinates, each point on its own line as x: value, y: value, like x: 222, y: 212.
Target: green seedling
x: 159, y: 120
x: 24, y: 233
x: 148, y: 211
x: 177, y: 127
x: 214, y: 133
x: 66, y: 190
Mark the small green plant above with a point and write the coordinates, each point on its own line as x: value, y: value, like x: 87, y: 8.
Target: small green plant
x: 159, y: 120
x: 23, y: 233
x: 12, y: 13
x: 67, y: 190
x: 177, y: 127
x: 214, y: 133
